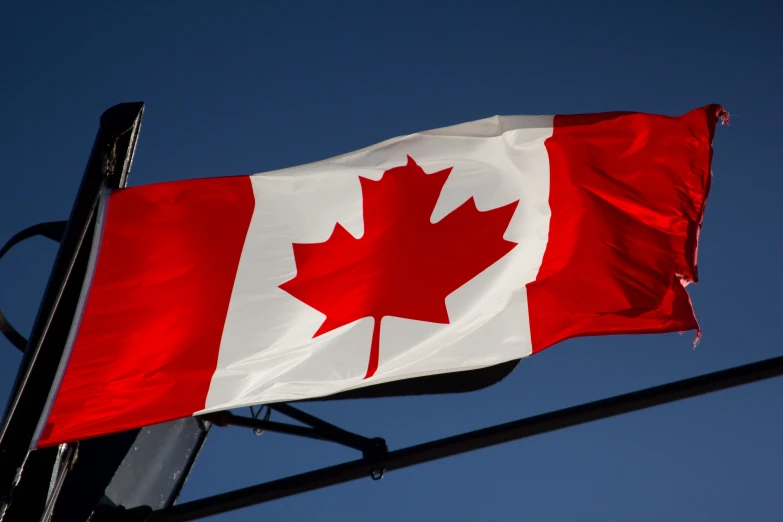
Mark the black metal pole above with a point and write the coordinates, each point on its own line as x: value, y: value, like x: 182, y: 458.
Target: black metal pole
x: 225, y: 419
x: 472, y: 441
x: 108, y: 165
x: 320, y: 430
x: 330, y: 431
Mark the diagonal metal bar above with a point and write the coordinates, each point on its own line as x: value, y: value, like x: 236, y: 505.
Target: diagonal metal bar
x: 224, y: 418
x: 472, y: 441
x: 326, y: 430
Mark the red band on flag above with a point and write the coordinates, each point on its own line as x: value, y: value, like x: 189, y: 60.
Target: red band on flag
x: 162, y: 320
x: 627, y: 195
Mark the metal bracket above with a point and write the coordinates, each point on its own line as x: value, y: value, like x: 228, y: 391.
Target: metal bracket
x: 315, y: 428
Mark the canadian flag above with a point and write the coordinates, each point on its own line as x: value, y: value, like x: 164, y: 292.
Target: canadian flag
x: 443, y: 251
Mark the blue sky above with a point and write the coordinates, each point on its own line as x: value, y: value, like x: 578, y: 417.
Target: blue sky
x: 250, y: 86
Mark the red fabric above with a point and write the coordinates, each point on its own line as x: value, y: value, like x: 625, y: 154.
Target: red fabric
x: 627, y: 195
x: 157, y: 306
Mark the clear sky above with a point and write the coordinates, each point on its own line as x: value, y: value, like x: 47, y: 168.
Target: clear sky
x: 249, y: 86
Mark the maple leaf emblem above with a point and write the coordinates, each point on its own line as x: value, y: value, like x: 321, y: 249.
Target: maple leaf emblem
x: 403, y: 265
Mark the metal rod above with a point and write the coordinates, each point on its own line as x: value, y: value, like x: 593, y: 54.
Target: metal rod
x: 472, y: 441
x: 363, y: 444
x: 67, y: 461
x: 224, y: 418
x: 108, y: 164
x: 326, y: 430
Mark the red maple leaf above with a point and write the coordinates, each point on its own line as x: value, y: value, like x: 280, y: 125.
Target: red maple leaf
x: 404, y: 265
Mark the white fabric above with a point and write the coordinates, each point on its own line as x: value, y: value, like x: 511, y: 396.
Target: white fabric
x: 268, y: 353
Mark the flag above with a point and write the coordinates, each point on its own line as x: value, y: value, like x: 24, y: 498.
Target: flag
x: 443, y: 251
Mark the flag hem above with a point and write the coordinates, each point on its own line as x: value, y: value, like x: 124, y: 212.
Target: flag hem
x: 103, y: 206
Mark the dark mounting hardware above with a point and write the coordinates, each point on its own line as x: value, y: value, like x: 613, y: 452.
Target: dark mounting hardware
x: 372, y: 449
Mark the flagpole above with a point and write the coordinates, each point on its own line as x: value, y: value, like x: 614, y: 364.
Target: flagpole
x: 108, y: 165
